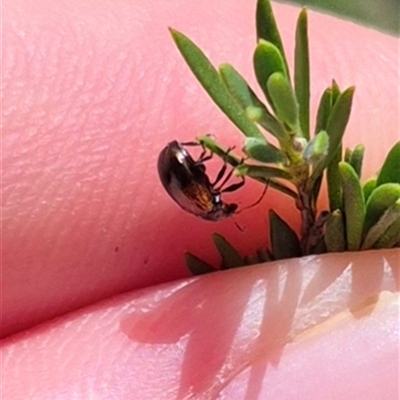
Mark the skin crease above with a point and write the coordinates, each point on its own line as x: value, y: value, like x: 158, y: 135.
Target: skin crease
x: 91, y: 94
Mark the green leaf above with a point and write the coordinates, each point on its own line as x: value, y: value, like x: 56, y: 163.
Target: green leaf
x: 239, y: 88
x: 347, y: 155
x: 197, y: 266
x: 267, y: 59
x: 267, y: 28
x: 254, y: 109
x: 284, y: 100
x: 324, y: 110
x: 334, y: 182
x: 302, y: 73
x: 391, y: 238
x: 368, y: 187
x: 336, y: 126
x: 389, y: 217
x: 334, y: 233
x: 380, y: 199
x: 335, y: 92
x: 280, y: 187
x: 209, y: 78
x: 264, y: 152
x: 261, y: 171
x: 284, y: 241
x: 317, y: 148
x: 390, y: 171
x: 215, y: 148
x: 356, y: 159
x: 354, y: 207
x: 230, y: 257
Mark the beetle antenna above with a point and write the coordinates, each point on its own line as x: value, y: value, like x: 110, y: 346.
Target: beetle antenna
x: 257, y: 202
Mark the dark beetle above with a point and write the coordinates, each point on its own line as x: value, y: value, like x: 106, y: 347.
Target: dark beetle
x: 187, y: 183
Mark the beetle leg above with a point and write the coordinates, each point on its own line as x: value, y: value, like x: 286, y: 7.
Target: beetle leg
x: 234, y: 186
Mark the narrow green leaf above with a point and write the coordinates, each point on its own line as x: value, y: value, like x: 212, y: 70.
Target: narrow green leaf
x: 209, y: 78
x: 264, y: 152
x: 356, y: 159
x: 302, y: 73
x: 354, y: 207
x: 335, y: 239
x: 261, y: 171
x: 280, y: 187
x: 391, y: 238
x: 197, y: 266
x: 238, y: 87
x: 380, y: 199
x: 267, y: 59
x: 254, y: 109
x: 284, y: 100
x: 324, y: 110
x: 334, y: 182
x: 316, y: 148
x: 390, y: 171
x: 267, y: 28
x: 336, y: 126
x: 347, y: 155
x: 335, y: 92
x: 284, y: 241
x: 215, y: 148
x: 368, y: 187
x: 230, y: 257
x: 389, y: 217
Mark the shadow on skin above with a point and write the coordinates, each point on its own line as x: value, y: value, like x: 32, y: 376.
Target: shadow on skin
x: 268, y: 313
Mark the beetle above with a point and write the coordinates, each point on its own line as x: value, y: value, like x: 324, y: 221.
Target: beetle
x: 186, y: 181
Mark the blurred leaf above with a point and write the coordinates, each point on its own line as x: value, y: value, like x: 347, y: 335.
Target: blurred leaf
x: 336, y: 126
x: 390, y: 171
x: 356, y: 159
x: 376, y: 232
x: 347, y: 155
x: 391, y: 238
x: 317, y: 148
x: 261, y: 171
x: 197, y: 266
x: 334, y: 182
x: 209, y: 78
x: 368, y: 188
x: 315, y: 191
x: 380, y: 199
x: 267, y: 28
x: 302, y: 74
x: 267, y: 60
x: 320, y: 248
x: 324, y: 110
x: 264, y: 152
x: 230, y: 257
x: 334, y: 233
x: 283, y: 99
x: 255, y: 110
x: 354, y: 207
x: 264, y: 255
x: 335, y: 92
x: 284, y: 241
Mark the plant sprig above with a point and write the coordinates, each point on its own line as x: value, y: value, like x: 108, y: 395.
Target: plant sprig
x: 361, y: 216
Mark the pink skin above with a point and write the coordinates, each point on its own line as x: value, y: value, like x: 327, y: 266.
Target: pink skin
x: 92, y: 92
